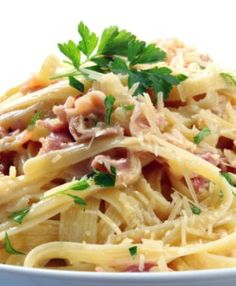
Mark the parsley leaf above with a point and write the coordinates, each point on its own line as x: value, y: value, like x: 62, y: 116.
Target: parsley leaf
x: 118, y: 44
x: 71, y: 51
x: 109, y: 102
x: 133, y: 251
x: 118, y: 51
x: 129, y: 107
x: 74, y: 82
x: 135, y: 48
x: 149, y: 54
x: 77, y: 200
x: 163, y: 80
x: 228, y: 178
x: 119, y: 66
x: 89, y: 40
x: 105, y: 179
x: 8, y: 247
x: 196, y: 210
x: 140, y: 77
x: 107, y: 36
x: 19, y: 216
x: 229, y: 78
x: 79, y: 185
x: 34, y: 119
x: 201, y: 135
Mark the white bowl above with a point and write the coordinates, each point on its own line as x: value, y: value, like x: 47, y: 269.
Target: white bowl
x: 18, y: 276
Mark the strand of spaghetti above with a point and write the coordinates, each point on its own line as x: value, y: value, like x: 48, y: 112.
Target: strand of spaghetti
x: 114, y: 255
x: 186, y: 159
x: 56, y: 92
x: 11, y: 189
x: 44, y: 209
x: 63, y: 158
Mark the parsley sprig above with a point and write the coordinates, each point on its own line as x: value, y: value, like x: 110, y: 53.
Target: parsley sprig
x: 117, y: 51
x: 95, y: 177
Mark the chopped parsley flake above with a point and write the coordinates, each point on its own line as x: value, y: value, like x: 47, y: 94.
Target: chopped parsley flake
x: 228, y: 178
x: 104, y: 179
x: 77, y: 199
x: 129, y: 107
x: 229, y: 78
x: 76, y: 83
x: 109, y: 102
x: 196, y: 210
x: 8, y: 246
x: 19, y: 216
x: 33, y: 120
x: 201, y: 135
x: 133, y: 251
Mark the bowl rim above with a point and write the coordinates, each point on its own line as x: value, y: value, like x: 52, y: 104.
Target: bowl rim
x: 200, y: 275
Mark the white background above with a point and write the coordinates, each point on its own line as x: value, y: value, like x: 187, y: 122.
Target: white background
x: 30, y: 30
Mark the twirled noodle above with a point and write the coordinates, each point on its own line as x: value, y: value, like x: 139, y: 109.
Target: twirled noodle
x: 167, y: 195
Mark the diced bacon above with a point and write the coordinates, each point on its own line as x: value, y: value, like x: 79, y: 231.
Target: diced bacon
x: 138, y: 121
x: 178, y: 139
x: 210, y: 157
x: 90, y: 103
x: 60, y: 112
x: 128, y: 169
x: 83, y: 129
x: 85, y: 117
x: 135, y: 268
x: 198, y: 183
x: 216, y: 160
x: 54, y: 142
x: 54, y: 125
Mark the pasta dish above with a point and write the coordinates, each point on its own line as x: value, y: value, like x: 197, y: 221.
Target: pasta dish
x: 120, y: 158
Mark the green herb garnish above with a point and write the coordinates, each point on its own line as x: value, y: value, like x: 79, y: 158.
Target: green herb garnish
x: 77, y: 200
x: 35, y: 118
x: 228, y: 178
x: 196, y: 210
x: 19, y: 216
x: 9, y: 248
x: 89, y: 40
x: 201, y: 135
x: 229, y: 78
x: 109, y: 102
x: 79, y: 185
x: 133, y: 251
x: 76, y: 83
x: 104, y: 179
x: 129, y: 107
x: 118, y: 51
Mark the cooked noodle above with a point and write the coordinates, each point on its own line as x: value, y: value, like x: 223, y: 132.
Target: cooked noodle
x: 170, y: 199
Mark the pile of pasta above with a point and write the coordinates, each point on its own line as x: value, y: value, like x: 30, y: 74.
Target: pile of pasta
x: 172, y: 206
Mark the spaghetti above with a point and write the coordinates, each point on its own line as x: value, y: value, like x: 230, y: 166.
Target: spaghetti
x: 150, y: 188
